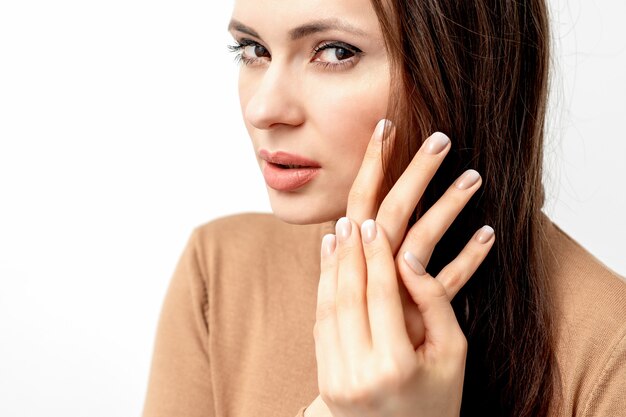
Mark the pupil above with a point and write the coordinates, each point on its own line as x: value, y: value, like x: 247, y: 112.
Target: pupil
x: 259, y: 51
x: 342, y: 53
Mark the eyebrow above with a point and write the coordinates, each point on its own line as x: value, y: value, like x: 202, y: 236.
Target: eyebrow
x: 305, y: 30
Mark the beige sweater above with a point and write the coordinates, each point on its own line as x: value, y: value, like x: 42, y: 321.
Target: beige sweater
x: 235, y: 336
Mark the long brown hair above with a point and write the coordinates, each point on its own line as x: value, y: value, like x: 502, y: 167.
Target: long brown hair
x: 478, y: 71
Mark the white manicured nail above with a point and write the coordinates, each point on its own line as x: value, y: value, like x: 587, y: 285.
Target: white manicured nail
x: 328, y: 244
x: 379, y: 133
x: 368, y: 231
x: 343, y: 228
x: 469, y: 178
x: 414, y: 263
x: 436, y: 143
x: 484, y: 234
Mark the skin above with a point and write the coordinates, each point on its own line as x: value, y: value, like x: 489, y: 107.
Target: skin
x: 291, y: 103
x: 368, y: 363
x: 386, y: 338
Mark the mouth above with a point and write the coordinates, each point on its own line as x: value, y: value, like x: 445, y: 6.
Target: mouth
x: 285, y: 160
x: 287, y: 172
x: 290, y: 166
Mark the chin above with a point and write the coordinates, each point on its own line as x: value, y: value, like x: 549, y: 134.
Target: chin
x: 305, y: 212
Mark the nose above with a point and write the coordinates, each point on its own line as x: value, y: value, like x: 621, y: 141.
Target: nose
x: 275, y: 101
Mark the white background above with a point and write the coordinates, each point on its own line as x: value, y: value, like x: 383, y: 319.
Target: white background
x: 120, y: 132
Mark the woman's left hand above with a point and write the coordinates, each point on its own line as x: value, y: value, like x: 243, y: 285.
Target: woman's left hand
x: 386, y: 339
x: 367, y: 365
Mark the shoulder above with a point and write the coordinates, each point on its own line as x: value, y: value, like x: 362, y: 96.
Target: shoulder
x: 581, y: 282
x: 590, y: 303
x: 246, y: 239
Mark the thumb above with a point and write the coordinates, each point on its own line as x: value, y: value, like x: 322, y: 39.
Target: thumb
x: 431, y: 298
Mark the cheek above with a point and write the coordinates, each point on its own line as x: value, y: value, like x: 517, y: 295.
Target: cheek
x: 245, y: 89
x: 346, y: 114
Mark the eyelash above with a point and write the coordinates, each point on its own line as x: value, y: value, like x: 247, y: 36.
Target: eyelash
x: 238, y: 47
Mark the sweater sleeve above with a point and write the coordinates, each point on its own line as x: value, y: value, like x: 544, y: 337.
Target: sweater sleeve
x: 608, y: 397
x: 180, y: 375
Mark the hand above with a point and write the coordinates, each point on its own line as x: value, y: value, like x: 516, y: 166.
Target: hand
x: 367, y: 365
x: 454, y: 276
x: 398, y: 205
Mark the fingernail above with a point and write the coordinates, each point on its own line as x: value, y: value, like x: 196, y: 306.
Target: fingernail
x: 436, y: 143
x: 343, y: 229
x: 328, y: 244
x: 469, y: 178
x: 380, y: 129
x: 368, y: 231
x: 484, y: 234
x: 414, y: 263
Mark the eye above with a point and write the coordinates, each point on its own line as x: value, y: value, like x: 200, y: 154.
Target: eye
x: 248, y: 51
x: 254, y: 51
x: 336, y: 54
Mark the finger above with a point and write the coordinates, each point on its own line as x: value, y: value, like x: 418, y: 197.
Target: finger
x: 456, y: 274
x: 441, y: 329
x: 325, y: 331
x: 401, y: 200
x: 413, y: 319
x: 384, y: 305
x: 352, y: 320
x: 430, y: 228
x: 363, y: 197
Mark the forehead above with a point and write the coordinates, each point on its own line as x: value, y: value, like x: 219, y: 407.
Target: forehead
x: 282, y: 15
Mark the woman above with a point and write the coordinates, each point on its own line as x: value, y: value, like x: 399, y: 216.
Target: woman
x: 399, y: 328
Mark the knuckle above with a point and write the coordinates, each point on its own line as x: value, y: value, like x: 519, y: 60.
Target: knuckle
x: 316, y: 332
x: 346, y: 251
x: 423, y: 167
x: 372, y: 153
x: 458, y: 199
x: 436, y: 291
x: 356, y: 395
x: 451, y: 276
x: 391, y: 375
x: 359, y: 195
x: 349, y: 394
x: 439, y: 291
x: 348, y: 299
x: 325, y: 311
x: 365, y: 388
x: 375, y: 252
x: 421, y: 235
x: 361, y: 390
x: 392, y: 209
x: 326, y: 267
x: 458, y: 345
x: 476, y: 251
x: 379, y: 293
x: 462, y: 344
x: 469, y: 253
x: 331, y: 391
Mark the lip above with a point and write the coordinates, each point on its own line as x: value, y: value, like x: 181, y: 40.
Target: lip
x: 284, y: 158
x: 287, y: 179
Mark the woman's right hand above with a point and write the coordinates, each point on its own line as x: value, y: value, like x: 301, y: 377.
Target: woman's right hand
x: 396, y: 208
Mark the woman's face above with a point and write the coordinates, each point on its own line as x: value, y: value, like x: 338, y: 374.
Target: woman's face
x: 314, y: 83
